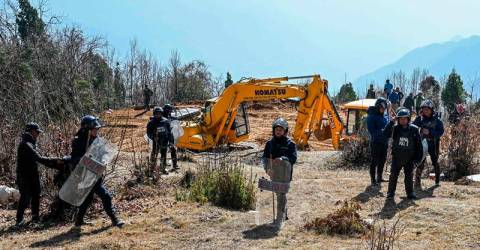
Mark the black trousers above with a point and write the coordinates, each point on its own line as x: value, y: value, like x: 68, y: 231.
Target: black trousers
x: 433, y: 151
x: 146, y: 103
x: 153, y: 157
x: 29, y: 195
x: 173, y: 154
x: 395, y: 172
x: 379, y: 156
x: 104, y: 195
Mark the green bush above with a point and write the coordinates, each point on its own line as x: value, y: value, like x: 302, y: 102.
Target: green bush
x: 224, y: 184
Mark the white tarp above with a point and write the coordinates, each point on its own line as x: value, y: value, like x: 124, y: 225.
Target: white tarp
x: 88, y: 171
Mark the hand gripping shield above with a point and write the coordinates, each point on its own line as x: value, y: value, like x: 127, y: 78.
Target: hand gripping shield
x: 88, y: 171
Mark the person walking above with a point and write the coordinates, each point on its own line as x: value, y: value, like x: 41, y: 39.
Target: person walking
x: 84, y: 137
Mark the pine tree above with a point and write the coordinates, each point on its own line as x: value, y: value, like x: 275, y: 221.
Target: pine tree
x: 453, y: 92
x: 346, y: 94
x: 30, y: 25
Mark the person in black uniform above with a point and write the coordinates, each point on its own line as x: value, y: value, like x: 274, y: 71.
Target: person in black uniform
x: 84, y: 138
x: 431, y: 128
x: 28, y: 178
x: 406, y: 150
x: 159, y: 131
x: 279, y: 148
x: 167, y: 113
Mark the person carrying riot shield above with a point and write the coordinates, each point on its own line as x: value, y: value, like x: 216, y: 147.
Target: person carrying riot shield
x: 279, y: 155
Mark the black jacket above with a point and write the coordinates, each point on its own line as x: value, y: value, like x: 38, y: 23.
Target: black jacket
x: 406, y: 144
x: 79, y: 147
x: 433, y: 124
x: 27, y: 161
x: 159, y: 131
x: 280, y: 148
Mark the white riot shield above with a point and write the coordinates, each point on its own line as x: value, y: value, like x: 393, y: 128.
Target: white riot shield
x: 88, y: 171
x: 177, y: 130
x: 424, y: 149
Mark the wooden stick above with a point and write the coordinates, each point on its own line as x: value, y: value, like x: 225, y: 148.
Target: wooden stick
x: 273, y: 195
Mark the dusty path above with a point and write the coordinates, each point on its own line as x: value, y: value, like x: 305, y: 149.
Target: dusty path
x: 444, y: 218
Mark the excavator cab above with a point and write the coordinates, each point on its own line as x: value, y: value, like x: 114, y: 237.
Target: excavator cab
x: 241, y: 124
x: 356, y: 113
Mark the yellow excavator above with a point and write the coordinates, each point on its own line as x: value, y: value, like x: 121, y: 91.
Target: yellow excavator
x: 224, y: 119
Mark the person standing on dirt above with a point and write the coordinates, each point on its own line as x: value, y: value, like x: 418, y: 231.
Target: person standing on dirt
x: 431, y: 128
x: 167, y: 113
x: 279, y: 150
x: 387, y: 88
x: 418, y: 102
x: 406, y: 150
x: 147, y: 94
x: 160, y: 132
x: 371, y: 92
x: 409, y: 102
x: 376, y: 122
x: 84, y: 137
x: 28, y: 177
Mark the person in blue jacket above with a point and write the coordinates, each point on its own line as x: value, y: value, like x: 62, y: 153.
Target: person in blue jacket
x: 387, y: 88
x: 377, y: 119
x: 279, y: 148
x: 431, y: 128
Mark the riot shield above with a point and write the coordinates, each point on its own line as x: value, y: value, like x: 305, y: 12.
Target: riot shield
x: 177, y: 130
x: 280, y: 180
x: 424, y: 149
x: 88, y: 171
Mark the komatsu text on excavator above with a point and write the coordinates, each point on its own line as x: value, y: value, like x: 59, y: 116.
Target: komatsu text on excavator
x: 224, y: 119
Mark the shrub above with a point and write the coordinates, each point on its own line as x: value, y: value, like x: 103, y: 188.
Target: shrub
x: 463, y: 143
x: 344, y: 221
x: 380, y: 237
x: 223, y: 182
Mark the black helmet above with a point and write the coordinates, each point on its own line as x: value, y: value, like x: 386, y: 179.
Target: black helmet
x: 280, y: 122
x: 32, y: 126
x: 158, y: 110
x: 381, y: 102
x: 402, y: 112
x: 427, y: 104
x: 90, y: 122
x: 168, y: 107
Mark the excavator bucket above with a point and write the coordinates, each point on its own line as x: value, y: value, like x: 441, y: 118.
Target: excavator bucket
x: 323, y: 133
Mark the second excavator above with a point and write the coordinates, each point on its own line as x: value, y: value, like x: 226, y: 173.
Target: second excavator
x: 224, y: 119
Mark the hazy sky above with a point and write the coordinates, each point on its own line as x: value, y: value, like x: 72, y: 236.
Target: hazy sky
x: 268, y: 38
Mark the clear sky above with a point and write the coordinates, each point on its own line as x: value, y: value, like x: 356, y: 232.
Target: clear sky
x: 268, y: 38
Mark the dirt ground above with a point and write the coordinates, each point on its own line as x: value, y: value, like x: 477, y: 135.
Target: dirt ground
x: 447, y: 217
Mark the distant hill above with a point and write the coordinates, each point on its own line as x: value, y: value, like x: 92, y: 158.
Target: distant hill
x: 438, y: 58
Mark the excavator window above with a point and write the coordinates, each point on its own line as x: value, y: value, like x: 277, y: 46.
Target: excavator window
x: 241, y: 124
x: 354, y: 120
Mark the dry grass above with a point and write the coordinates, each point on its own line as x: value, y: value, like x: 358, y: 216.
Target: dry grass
x: 444, y: 218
